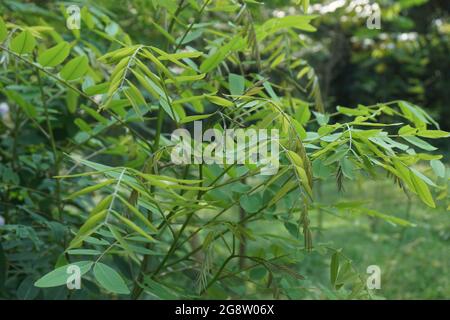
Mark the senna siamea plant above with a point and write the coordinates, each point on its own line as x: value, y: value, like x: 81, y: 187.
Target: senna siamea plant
x: 139, y: 225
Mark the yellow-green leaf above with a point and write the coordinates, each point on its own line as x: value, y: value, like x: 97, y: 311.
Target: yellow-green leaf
x: 3, y: 30
x: 138, y: 214
x: 91, y: 188
x: 133, y: 226
x: 220, y: 101
x: 23, y: 43
x: 75, y: 68
x: 195, y: 118
x: 422, y: 190
x: 88, y: 228
x: 433, y: 134
x: 55, y: 55
x: 334, y: 267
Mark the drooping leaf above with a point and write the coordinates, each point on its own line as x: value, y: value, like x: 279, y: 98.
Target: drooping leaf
x: 27, y: 290
x: 59, y: 276
x: 236, y: 83
x: 438, y: 168
x: 195, y: 118
x: 220, y: 101
x: 133, y: 226
x: 3, y: 30
x: 91, y: 224
x: 75, y: 68
x: 420, y: 143
x: 91, y: 188
x: 422, y: 190
x: 433, y: 134
x: 334, y: 267
x: 110, y: 279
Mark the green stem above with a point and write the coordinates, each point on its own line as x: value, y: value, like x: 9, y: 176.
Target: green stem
x: 191, y: 25
x: 137, y: 290
x: 247, y: 218
x: 56, y: 158
x: 173, y: 247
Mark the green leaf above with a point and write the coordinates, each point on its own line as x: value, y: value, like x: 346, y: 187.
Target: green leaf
x: 55, y: 55
x: 407, y: 131
x: 322, y: 119
x: 3, y: 30
x: 135, y: 97
x: 97, y: 89
x: 334, y: 267
x: 422, y: 190
x: 28, y: 108
x: 320, y: 170
x: 258, y: 273
x: 75, y: 68
x: 288, y: 187
x: 237, y: 84
x: 123, y: 243
x: 110, y: 279
x: 91, y: 224
x: 91, y: 188
x: 27, y: 290
x: 133, y: 226
x: 433, y: 134
x: 217, y: 57
x: 413, y: 113
x: 348, y: 168
x: 87, y: 252
x: 158, y: 65
x: 159, y: 290
x: 293, y: 229
x: 220, y: 101
x: 346, y: 274
x: 83, y: 125
x: 23, y: 43
x: 2, y: 268
x: 195, y: 118
x: 336, y: 156
x: 305, y: 6
x: 118, y: 54
x: 438, y: 168
x: 251, y: 204
x: 387, y: 218
x: 276, y: 24
x: 72, y: 100
x: 277, y: 60
x: 58, y: 277
x: 420, y: 143
x: 138, y: 214
x: 352, y: 112
x: 177, y: 56
x: 425, y: 179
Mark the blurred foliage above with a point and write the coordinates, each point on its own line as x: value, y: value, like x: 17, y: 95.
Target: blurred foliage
x: 407, y: 57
